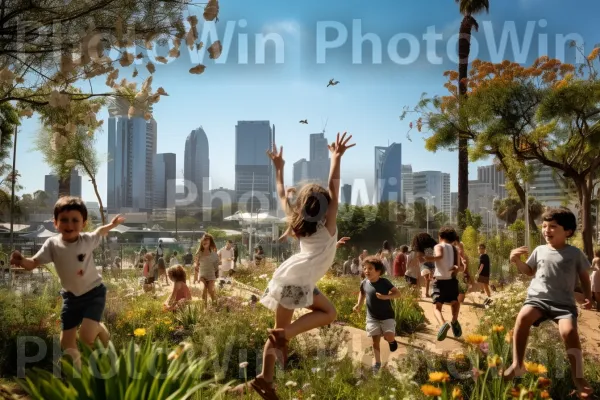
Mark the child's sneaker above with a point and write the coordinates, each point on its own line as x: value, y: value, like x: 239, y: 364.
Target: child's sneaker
x: 456, y: 329
x: 376, y: 367
x: 393, y: 346
x: 443, y: 332
x: 487, y: 301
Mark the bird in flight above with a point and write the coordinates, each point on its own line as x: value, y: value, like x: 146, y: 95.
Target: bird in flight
x: 304, y: 121
x: 332, y: 82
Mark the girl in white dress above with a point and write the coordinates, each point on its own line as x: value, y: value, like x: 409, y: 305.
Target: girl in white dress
x: 312, y: 220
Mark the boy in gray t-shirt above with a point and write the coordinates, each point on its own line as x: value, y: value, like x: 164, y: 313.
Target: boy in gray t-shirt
x: 556, y: 267
x: 71, y: 251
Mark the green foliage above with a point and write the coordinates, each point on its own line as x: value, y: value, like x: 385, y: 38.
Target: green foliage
x: 368, y: 225
x: 473, y: 220
x: 216, y: 233
x: 471, y: 240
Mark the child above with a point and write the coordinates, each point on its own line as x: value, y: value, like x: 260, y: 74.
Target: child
x: 355, y: 267
x: 484, y: 273
x: 445, y: 284
x: 207, y: 263
x: 173, y: 261
x: 181, y: 293
x: 226, y: 258
x: 412, y: 273
x: 161, y: 270
x: 149, y: 272
x: 556, y: 266
x: 400, y: 262
x: 381, y: 320
x: 595, y: 278
x: 422, y: 244
x: 312, y: 220
x: 188, y: 260
x: 83, y: 293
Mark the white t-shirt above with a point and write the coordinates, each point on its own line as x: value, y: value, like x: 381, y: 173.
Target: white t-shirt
x: 174, y: 261
x: 226, y: 259
x: 413, y: 265
x: 443, y: 267
x: 74, y: 262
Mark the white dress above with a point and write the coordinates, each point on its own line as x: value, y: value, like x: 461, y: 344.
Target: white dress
x: 293, y: 283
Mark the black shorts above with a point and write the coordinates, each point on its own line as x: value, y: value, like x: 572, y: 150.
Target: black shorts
x: 410, y: 280
x: 89, y: 305
x: 445, y: 291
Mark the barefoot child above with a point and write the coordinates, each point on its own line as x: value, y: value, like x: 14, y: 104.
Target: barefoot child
x: 181, y: 293
x: 445, y: 284
x: 483, y: 274
x: 312, y: 220
x: 207, y: 264
x: 381, y: 320
x: 556, y: 266
x: 595, y: 278
x: 83, y: 293
x: 423, y: 244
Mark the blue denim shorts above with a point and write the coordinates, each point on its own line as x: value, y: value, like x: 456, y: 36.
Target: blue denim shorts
x: 89, y: 305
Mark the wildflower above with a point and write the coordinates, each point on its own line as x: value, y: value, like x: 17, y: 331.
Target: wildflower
x: 457, y: 356
x: 544, y: 394
x: 475, y: 339
x: 315, y: 370
x: 439, y: 377
x: 305, y: 386
x: 536, y: 369
x: 494, y: 361
x: 291, y: 384
x: 515, y: 392
x: 139, y: 332
x: 497, y: 328
x: 430, y: 390
x: 457, y: 393
x: 244, y: 364
x: 508, y: 337
x: 543, y: 383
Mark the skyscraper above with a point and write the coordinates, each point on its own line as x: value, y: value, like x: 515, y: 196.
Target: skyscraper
x: 319, y: 163
x: 434, y: 185
x: 300, y: 171
x: 493, y: 175
x: 51, y: 186
x: 388, y: 173
x: 407, y: 185
x: 164, y: 180
x: 130, y: 173
x: 346, y: 194
x: 253, y: 173
x: 196, y: 164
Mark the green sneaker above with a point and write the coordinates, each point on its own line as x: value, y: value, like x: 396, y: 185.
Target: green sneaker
x: 456, y: 329
x: 443, y: 332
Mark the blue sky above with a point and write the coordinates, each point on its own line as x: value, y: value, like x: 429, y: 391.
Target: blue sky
x: 367, y: 102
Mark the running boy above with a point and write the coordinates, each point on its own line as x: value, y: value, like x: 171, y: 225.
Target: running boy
x: 445, y: 284
x: 483, y: 274
x: 556, y: 266
x: 83, y: 293
x: 381, y: 320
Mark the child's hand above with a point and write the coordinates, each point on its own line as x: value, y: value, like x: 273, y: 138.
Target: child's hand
x: 15, y: 258
x: 516, y: 254
x: 356, y: 308
x: 382, y: 296
x: 341, y: 145
x: 587, y: 304
x: 277, y: 158
x: 117, y: 220
x: 342, y: 241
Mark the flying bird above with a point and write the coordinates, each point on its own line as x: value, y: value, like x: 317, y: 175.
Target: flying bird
x: 304, y: 121
x: 332, y: 82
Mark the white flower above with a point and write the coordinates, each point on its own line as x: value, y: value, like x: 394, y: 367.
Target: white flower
x: 291, y: 384
x: 305, y: 386
x: 393, y: 389
x: 358, y: 383
x: 263, y: 276
x: 315, y: 370
x: 244, y: 364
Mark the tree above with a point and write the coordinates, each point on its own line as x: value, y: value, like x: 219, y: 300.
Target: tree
x: 467, y: 8
x: 507, y: 209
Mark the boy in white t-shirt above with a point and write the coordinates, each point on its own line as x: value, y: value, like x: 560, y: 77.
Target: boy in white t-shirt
x: 226, y: 257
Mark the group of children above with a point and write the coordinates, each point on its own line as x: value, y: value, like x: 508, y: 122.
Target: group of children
x: 312, y: 213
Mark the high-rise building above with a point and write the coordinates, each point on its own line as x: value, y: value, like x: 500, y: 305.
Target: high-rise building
x: 130, y: 172
x: 254, y: 175
x: 51, y: 186
x: 454, y: 207
x: 481, y: 201
x: 164, y: 180
x: 493, y: 175
x: 388, y: 173
x: 319, y: 163
x: 434, y: 185
x: 407, y: 185
x: 546, y: 186
x: 300, y: 171
x: 196, y: 165
x: 346, y: 194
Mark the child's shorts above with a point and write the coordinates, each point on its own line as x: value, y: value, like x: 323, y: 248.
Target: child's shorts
x: 552, y: 311
x: 410, y: 280
x: 376, y: 327
x: 444, y: 291
x: 89, y: 305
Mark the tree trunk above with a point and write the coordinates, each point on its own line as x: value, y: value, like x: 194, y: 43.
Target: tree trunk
x: 464, y: 49
x: 102, y: 216
x: 585, y: 202
x: 64, y: 186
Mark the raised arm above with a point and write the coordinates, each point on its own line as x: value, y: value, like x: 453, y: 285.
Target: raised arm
x: 438, y: 254
x: 515, y: 257
x: 278, y: 163
x: 103, y: 230
x: 337, y: 150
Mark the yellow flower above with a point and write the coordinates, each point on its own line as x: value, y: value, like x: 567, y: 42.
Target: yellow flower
x: 536, y: 369
x: 457, y: 356
x: 494, y: 361
x: 497, y: 328
x: 508, y: 337
x: 456, y: 393
x: 430, y: 390
x: 139, y: 332
x: 439, y: 377
x: 475, y: 339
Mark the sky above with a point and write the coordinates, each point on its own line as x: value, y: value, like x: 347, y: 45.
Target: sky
x: 311, y: 42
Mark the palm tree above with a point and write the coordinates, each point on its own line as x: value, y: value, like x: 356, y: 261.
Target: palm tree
x: 467, y: 8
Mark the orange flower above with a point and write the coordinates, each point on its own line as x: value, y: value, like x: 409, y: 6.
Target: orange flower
x: 475, y: 339
x: 497, y: 328
x: 544, y: 394
x: 439, y: 377
x: 543, y: 383
x: 536, y: 369
x: 508, y: 337
x: 430, y: 390
x: 457, y: 394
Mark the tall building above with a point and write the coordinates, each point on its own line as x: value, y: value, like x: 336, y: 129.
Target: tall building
x: 454, y: 207
x: 407, y: 185
x: 546, y: 186
x: 319, y: 163
x: 130, y: 172
x: 51, y: 186
x: 300, y: 171
x: 346, y: 194
x: 388, y: 173
x: 164, y: 180
x: 253, y: 172
x: 434, y: 185
x: 196, y: 164
x: 493, y: 175
x: 481, y: 199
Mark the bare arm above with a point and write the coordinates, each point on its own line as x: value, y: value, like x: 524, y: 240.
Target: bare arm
x: 278, y: 162
x: 29, y: 263
x: 103, y: 230
x: 337, y: 151
x: 515, y: 257
x: 586, y: 285
x: 360, y: 302
x: 394, y: 293
x: 438, y: 254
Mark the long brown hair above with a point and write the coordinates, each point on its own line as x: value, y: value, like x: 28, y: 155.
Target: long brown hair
x: 308, y: 210
x: 212, y: 247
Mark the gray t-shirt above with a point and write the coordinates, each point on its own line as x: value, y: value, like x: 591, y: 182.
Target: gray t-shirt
x: 556, y: 273
x: 74, y: 262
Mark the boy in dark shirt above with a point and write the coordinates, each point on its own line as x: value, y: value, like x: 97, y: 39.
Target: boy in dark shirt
x: 378, y: 293
x: 484, y: 273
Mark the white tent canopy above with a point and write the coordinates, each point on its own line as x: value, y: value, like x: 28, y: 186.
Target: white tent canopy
x: 254, y: 218
x: 40, y: 233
